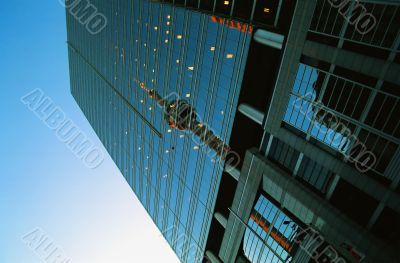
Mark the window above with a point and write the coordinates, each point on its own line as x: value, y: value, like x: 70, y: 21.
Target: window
x: 270, y: 234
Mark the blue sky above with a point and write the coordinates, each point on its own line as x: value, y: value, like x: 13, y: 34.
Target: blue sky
x: 91, y: 214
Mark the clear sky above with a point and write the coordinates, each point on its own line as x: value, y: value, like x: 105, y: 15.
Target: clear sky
x: 92, y: 214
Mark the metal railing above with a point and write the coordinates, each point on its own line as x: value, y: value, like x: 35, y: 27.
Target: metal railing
x: 341, y: 22
x: 269, y: 234
x: 332, y: 110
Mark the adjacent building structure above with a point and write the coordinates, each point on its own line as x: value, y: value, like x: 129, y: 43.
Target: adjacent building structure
x: 305, y: 93
x: 320, y: 182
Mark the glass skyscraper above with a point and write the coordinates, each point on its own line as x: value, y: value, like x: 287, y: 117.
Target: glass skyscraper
x: 181, y: 54
x: 305, y: 92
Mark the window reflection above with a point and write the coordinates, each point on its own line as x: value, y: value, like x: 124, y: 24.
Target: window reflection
x: 270, y: 235
x: 303, y: 110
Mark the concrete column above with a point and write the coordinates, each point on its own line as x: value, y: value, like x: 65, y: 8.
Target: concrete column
x: 251, y: 113
x: 290, y: 61
x: 269, y: 39
x: 243, y: 202
x: 235, y: 173
x: 212, y: 257
x: 221, y: 219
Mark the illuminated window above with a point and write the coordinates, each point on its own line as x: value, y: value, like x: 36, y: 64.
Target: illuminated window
x: 196, y: 147
x: 187, y: 95
x: 169, y: 17
x: 212, y: 48
x: 168, y: 23
x: 266, y: 10
x: 191, y: 68
x: 169, y: 131
x: 181, y: 136
x: 155, y: 28
x: 141, y: 101
x: 229, y: 56
x: 166, y: 41
x: 179, y: 36
x: 167, y: 32
x: 150, y: 108
x: 226, y: 2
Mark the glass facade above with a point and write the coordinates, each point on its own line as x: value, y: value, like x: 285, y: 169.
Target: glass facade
x: 301, y: 112
x: 348, y: 116
x: 179, y: 53
x: 270, y: 234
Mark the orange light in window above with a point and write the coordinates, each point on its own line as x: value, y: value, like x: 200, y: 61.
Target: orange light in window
x: 238, y: 25
x: 226, y: 2
x: 229, y: 56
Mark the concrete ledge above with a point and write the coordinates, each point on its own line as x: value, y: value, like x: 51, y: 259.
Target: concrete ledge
x: 344, y: 170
